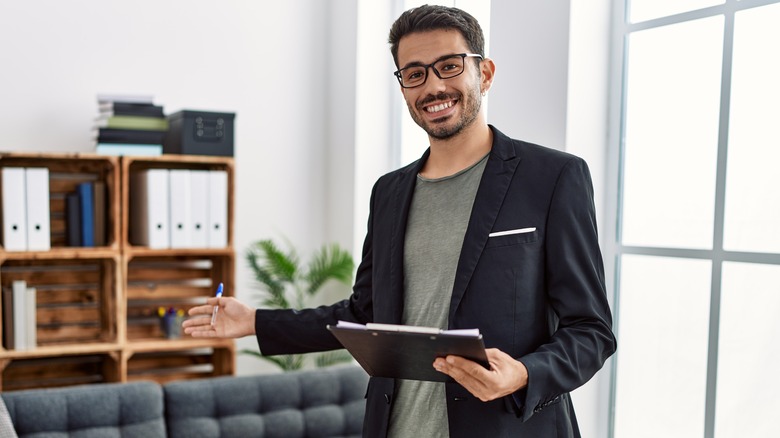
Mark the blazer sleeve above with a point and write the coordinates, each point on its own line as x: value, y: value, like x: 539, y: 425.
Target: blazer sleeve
x: 582, y: 339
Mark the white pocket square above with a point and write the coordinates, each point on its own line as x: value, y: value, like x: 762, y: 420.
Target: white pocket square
x: 508, y: 232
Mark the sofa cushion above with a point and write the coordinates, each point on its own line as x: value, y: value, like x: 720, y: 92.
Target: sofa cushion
x: 99, y: 410
x: 328, y: 402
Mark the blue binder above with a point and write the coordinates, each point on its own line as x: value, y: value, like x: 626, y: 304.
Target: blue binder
x: 87, y: 214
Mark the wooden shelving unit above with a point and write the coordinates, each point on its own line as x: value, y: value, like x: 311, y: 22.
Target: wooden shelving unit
x: 97, y: 307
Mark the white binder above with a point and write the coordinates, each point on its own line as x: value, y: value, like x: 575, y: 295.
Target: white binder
x: 38, y: 219
x: 19, y: 288
x: 14, y: 209
x: 149, y: 208
x: 180, y: 197
x: 218, y: 209
x: 199, y: 184
x: 32, y: 317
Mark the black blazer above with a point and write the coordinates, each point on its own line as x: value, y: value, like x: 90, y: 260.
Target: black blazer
x: 538, y: 295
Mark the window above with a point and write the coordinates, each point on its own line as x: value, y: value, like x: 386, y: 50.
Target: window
x: 697, y: 245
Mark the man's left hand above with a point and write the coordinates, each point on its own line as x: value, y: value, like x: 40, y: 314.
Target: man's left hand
x: 505, y: 376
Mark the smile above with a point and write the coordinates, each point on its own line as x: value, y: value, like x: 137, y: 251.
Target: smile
x: 439, y: 107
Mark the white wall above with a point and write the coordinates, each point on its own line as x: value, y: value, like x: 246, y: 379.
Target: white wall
x: 265, y: 64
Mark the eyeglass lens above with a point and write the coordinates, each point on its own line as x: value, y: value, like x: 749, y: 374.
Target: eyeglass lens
x: 444, y: 68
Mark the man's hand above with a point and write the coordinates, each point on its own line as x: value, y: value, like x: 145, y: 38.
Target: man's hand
x: 234, y: 319
x: 505, y: 376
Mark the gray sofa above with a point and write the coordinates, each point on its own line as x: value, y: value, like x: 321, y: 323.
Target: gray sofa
x: 327, y: 402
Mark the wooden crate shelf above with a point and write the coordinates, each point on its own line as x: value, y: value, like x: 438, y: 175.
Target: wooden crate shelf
x: 76, y: 299
x: 97, y: 307
x: 66, y: 171
x: 130, y: 165
x: 62, y: 370
x: 173, y: 282
x: 171, y: 364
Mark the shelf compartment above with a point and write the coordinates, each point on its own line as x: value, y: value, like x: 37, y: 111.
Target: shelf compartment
x: 66, y: 171
x: 177, y: 282
x: 67, y: 370
x: 167, y: 366
x: 75, y: 299
x: 130, y: 165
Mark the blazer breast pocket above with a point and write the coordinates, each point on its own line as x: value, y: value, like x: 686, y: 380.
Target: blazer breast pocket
x: 512, y: 237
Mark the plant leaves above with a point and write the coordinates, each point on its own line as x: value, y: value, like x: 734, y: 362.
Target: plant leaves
x: 282, y: 266
x: 330, y: 263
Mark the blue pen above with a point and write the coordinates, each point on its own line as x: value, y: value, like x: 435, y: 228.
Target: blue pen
x: 216, y: 308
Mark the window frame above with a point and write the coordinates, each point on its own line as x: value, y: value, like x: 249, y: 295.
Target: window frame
x: 614, y: 249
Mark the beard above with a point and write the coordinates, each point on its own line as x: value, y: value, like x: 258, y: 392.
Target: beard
x: 437, y: 128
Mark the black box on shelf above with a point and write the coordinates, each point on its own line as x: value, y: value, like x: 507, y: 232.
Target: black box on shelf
x: 199, y: 133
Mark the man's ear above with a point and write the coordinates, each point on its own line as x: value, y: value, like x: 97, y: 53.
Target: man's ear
x: 487, y: 70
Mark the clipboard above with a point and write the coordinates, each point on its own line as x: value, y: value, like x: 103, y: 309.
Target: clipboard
x: 406, y: 352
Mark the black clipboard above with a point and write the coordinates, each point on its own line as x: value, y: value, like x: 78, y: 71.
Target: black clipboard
x: 407, y: 354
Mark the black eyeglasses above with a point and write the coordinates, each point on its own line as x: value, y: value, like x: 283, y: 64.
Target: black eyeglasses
x: 445, y: 67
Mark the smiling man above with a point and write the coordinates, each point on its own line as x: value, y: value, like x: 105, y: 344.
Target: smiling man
x: 482, y: 231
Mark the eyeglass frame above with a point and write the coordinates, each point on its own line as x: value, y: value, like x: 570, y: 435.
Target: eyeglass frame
x: 463, y: 56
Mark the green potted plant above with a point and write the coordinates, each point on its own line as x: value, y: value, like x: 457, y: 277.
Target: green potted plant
x: 285, y: 284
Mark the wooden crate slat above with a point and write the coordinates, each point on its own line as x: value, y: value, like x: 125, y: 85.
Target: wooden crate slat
x: 57, y: 226
x: 144, y: 331
x: 59, y: 382
x: 57, y: 204
x: 167, y: 291
x: 67, y: 296
x: 146, y: 363
x: 135, y: 274
x: 162, y: 379
x: 67, y: 314
x: 68, y: 333
x: 54, y: 372
x: 60, y: 277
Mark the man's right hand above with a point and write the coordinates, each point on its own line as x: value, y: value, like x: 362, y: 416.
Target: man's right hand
x: 234, y: 319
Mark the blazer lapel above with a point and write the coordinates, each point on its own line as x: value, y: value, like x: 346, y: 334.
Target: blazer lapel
x: 493, y: 187
x: 404, y: 190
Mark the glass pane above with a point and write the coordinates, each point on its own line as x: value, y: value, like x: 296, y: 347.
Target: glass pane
x: 752, y: 218
x: 671, y: 134
x: 663, y: 324
x: 749, y: 352
x: 641, y: 10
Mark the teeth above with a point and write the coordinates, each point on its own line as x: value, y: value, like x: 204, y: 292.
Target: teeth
x: 439, y: 107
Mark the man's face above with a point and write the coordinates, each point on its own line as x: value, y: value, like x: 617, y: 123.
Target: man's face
x: 442, y: 107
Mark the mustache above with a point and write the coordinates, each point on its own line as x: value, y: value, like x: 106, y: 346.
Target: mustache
x: 442, y: 96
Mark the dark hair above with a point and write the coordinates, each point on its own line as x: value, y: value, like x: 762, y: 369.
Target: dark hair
x: 432, y: 17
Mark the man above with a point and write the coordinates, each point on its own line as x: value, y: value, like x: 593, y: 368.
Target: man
x: 482, y: 232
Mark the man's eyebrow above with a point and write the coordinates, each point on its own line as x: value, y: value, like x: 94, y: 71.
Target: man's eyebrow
x: 412, y: 64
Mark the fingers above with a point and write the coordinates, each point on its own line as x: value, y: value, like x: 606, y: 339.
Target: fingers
x: 469, y: 374
x: 196, y: 322
x: 505, y: 376
x: 205, y: 309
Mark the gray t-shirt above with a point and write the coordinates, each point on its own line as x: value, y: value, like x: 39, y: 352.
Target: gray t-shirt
x: 435, y: 230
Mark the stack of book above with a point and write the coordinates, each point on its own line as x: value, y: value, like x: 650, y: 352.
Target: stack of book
x: 129, y: 125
